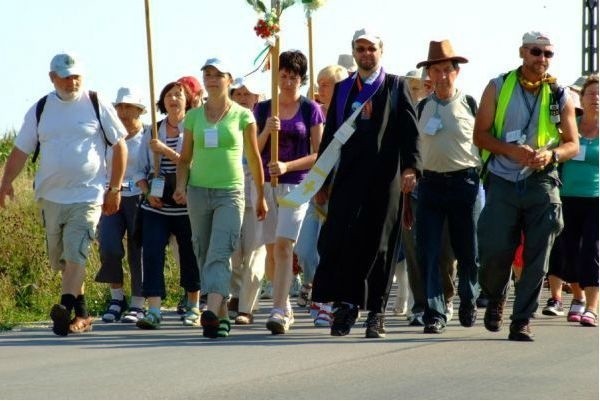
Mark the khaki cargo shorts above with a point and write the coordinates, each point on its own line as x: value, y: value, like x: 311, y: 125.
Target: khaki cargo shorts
x: 70, y: 229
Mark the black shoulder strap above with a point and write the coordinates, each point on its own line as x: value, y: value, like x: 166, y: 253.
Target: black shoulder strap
x: 39, y: 109
x: 472, y: 104
x: 421, y: 106
x: 94, y: 98
x: 262, y: 112
x: 306, y: 111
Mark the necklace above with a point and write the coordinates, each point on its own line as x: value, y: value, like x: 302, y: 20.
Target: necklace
x: 171, y: 125
x: 210, y: 116
x: 527, y: 84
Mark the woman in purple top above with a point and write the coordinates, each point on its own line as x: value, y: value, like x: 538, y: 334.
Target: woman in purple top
x: 300, y: 126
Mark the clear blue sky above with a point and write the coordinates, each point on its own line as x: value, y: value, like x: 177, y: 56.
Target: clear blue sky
x: 109, y: 36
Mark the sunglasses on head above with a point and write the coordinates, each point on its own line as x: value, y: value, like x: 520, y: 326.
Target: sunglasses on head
x: 536, y: 52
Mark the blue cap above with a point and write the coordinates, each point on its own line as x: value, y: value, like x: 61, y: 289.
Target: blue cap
x: 64, y: 65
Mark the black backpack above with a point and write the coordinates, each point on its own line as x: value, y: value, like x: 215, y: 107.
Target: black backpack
x: 39, y: 109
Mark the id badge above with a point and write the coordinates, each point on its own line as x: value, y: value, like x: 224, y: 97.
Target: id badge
x: 513, y: 136
x: 157, y: 187
x: 433, y: 125
x: 581, y: 155
x: 211, y: 138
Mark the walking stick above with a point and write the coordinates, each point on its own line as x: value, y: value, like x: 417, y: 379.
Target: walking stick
x: 151, y: 79
x: 275, y: 94
x: 311, y: 70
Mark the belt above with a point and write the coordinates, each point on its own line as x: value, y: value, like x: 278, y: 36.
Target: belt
x: 449, y: 174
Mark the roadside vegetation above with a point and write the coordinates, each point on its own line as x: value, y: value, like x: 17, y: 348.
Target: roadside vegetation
x: 28, y: 287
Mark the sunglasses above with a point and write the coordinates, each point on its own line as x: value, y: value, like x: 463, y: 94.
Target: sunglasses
x: 362, y: 49
x: 536, y: 52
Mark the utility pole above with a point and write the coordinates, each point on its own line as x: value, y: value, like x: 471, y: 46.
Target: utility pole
x: 589, y: 38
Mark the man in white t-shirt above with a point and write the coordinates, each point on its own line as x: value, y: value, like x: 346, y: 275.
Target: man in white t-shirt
x: 73, y: 135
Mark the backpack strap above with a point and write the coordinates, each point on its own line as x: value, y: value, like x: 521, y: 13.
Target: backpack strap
x: 421, y: 106
x: 472, y: 104
x: 39, y: 109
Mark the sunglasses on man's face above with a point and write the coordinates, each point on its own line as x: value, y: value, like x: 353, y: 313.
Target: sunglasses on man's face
x: 536, y: 52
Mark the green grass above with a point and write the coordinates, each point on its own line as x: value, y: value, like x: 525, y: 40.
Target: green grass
x: 28, y: 286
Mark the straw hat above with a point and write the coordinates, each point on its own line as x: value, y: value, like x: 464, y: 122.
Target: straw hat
x: 441, y: 51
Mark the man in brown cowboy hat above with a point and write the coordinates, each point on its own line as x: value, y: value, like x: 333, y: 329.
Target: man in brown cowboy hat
x: 448, y: 188
x: 525, y: 128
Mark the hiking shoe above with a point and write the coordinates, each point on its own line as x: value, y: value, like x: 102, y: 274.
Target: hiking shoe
x: 375, y: 325
x: 416, y: 319
x: 449, y: 311
x: 133, y: 315
x: 492, y: 319
x: 324, y: 317
x: 553, y: 308
x: 482, y: 300
x: 81, y: 324
x: 344, y: 317
x: 149, y: 322
x: 435, y: 327
x: 114, y: 310
x: 520, y: 331
x: 589, y: 319
x: 279, y: 323
x: 467, y: 314
x: 192, y: 317
x: 61, y: 319
x: 305, y: 295
x: 575, y: 311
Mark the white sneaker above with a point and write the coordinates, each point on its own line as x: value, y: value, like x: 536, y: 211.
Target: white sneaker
x: 133, y: 315
x: 449, y: 311
x: 400, y: 309
x: 278, y: 323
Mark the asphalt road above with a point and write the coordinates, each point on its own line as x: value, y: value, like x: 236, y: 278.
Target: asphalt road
x: 119, y: 361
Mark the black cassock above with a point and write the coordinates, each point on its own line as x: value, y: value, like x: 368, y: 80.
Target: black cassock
x: 358, y: 240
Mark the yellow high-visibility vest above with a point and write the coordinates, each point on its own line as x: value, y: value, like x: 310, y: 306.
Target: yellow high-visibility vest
x: 547, y: 130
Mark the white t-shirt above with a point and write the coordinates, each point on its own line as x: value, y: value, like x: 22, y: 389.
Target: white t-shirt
x: 134, y: 152
x: 72, y: 148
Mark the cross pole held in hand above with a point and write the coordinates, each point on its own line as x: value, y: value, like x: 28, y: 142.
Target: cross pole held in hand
x: 151, y: 79
x: 275, y: 93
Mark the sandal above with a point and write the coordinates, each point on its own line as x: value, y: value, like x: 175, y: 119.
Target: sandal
x: 210, y: 324
x: 589, y: 319
x: 149, y: 322
x: 114, y: 311
x: 575, y: 311
x: 244, y: 318
x: 192, y: 317
x: 224, y: 328
x: 81, y: 324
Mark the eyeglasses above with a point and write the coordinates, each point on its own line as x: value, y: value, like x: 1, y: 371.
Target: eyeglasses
x: 536, y: 52
x: 362, y: 49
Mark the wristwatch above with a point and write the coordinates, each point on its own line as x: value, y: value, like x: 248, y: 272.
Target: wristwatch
x: 114, y: 189
x: 555, y: 156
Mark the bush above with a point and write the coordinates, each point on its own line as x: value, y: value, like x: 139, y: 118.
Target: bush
x: 28, y: 286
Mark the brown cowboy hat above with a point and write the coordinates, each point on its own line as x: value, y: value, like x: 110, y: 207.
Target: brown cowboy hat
x: 441, y: 51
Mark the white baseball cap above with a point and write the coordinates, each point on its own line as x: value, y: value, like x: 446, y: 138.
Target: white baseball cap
x: 66, y: 64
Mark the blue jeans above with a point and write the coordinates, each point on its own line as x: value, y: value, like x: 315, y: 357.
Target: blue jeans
x: 156, y: 232
x: 447, y: 196
x: 111, y: 230
x: 216, y: 219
